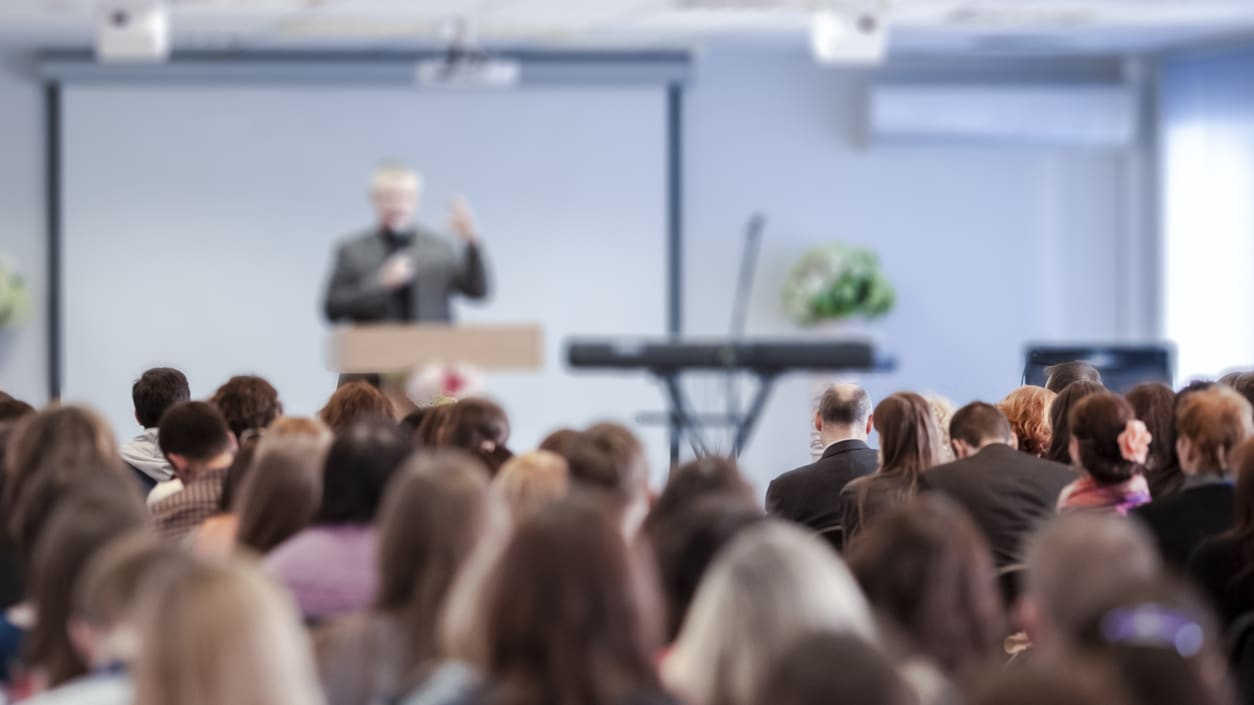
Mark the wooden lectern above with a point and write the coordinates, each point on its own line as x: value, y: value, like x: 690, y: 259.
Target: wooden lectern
x: 397, y: 347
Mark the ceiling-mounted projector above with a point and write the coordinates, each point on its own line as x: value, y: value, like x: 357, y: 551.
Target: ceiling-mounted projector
x: 132, y: 30
x: 856, y: 37
x: 465, y: 64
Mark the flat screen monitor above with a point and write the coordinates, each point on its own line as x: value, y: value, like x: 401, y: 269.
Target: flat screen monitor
x: 1122, y: 366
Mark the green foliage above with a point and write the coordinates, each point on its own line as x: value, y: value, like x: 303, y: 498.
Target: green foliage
x: 836, y: 281
x: 14, y: 300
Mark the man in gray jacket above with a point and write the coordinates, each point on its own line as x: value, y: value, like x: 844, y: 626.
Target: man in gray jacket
x: 398, y: 271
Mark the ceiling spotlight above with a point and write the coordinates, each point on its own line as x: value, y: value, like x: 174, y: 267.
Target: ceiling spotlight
x: 849, y: 37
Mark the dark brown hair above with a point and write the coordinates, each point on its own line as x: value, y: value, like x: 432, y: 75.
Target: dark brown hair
x: 559, y: 440
x: 569, y: 614
x: 608, y: 458
x: 909, y: 438
x: 1154, y: 405
x: 1027, y: 410
x: 927, y: 566
x: 238, y: 473
x: 826, y: 668
x: 155, y: 392
x: 978, y: 422
x: 355, y: 401
x: 1243, y: 524
x: 1096, y: 422
x: 1060, y: 419
x: 93, y: 513
x: 12, y: 409
x: 479, y: 427
x: 247, y: 401
x: 844, y: 405
x: 1214, y: 421
x: 359, y: 464
x: 1059, y: 377
x: 704, y: 477
x: 195, y: 430
x: 281, y: 493
x: 432, y: 518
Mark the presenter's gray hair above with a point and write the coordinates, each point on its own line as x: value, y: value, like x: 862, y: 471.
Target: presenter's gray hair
x: 390, y: 172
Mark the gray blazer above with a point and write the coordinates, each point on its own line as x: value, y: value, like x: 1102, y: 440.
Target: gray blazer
x: 441, y: 269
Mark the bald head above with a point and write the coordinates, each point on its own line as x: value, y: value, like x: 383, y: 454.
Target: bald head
x: 1079, y: 562
x: 844, y: 413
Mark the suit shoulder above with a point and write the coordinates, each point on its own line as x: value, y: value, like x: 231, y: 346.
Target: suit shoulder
x: 790, y: 477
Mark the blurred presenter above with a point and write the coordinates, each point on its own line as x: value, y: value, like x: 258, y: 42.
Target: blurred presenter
x: 400, y: 271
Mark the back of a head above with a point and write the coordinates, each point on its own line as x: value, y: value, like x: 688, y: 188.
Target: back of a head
x: 557, y: 441
x: 772, y: 584
x: 703, y: 477
x: 359, y: 464
x: 195, y: 430
x: 156, y: 391
x: 281, y: 493
x: 909, y: 437
x: 1153, y: 403
x: 608, y: 457
x: 222, y: 632
x: 805, y: 674
x: 479, y: 427
x: 532, y: 480
x: 571, y: 615
x: 299, y: 426
x: 685, y: 542
x: 13, y: 409
x: 1060, y: 418
x: 1097, y: 422
x: 1161, y: 639
x: 978, y: 423
x: 1059, y: 377
x: 845, y: 405
x: 1243, y: 473
x: 1027, y: 411
x: 1212, y: 423
x: 1244, y: 385
x: 247, y: 401
x: 353, y: 402
x: 927, y: 566
x: 1079, y: 561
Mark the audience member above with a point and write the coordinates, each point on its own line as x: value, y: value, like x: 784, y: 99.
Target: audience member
x: 219, y: 633
x: 1060, y: 419
x: 1244, y: 385
x: 1108, y: 447
x: 570, y: 616
x: 478, y: 427
x: 216, y: 535
x: 1154, y: 405
x: 330, y: 566
x: 282, y: 494
x: 153, y: 394
x: 299, y: 427
x: 557, y: 441
x: 926, y: 567
x: 1064, y: 374
x: 607, y: 459
x: 434, y: 514
x: 1008, y: 493
x: 11, y: 411
x: 1209, y: 425
x: 770, y: 586
x: 1066, y: 682
x: 354, y: 402
x: 432, y: 426
x: 685, y: 541
x: 1161, y: 640
x: 84, y: 521
x: 1074, y: 565
x: 531, y: 480
x: 909, y: 445
x: 1223, y: 566
x: 1027, y: 410
x: 247, y: 402
x: 803, y: 674
x: 195, y: 438
x: 942, y: 412
x: 810, y: 495
x: 709, y: 476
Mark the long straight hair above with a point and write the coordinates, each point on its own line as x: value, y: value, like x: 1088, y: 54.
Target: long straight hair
x: 909, y: 437
x: 1243, y: 526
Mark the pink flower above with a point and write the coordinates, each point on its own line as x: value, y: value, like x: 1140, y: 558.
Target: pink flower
x: 1134, y: 442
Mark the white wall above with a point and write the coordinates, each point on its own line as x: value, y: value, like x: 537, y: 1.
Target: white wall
x: 23, y: 352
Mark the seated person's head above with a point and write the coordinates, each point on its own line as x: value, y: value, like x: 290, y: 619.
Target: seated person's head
x: 1154, y: 405
x: 192, y: 435
x: 804, y: 674
x: 977, y: 425
x: 608, y: 459
x: 479, y: 427
x: 1060, y: 419
x: 1027, y: 410
x: 557, y: 441
x: 531, y: 480
x: 1058, y: 377
x: 359, y: 464
x: 1209, y: 425
x: 1075, y: 563
x: 155, y: 392
x: 844, y: 413
x: 352, y: 402
x: 710, y: 476
x: 910, y: 441
x: 12, y: 409
x: 281, y: 493
x: 247, y: 401
x: 1107, y: 440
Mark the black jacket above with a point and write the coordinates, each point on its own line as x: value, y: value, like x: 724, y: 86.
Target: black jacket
x: 1007, y: 492
x: 810, y: 495
x: 1183, y: 520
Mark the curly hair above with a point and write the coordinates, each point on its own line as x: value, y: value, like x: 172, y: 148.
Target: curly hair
x: 355, y: 401
x: 1027, y: 410
x: 247, y: 401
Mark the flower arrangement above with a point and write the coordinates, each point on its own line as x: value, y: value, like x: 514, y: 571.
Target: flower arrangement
x: 14, y: 301
x: 836, y: 281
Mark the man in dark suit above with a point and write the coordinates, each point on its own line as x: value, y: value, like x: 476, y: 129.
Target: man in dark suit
x: 397, y: 271
x: 810, y: 495
x: 1008, y: 493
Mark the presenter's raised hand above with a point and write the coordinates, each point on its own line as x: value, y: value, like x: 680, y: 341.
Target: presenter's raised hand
x: 462, y: 221
x: 397, y: 271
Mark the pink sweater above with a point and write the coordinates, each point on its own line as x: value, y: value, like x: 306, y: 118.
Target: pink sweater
x: 331, y: 570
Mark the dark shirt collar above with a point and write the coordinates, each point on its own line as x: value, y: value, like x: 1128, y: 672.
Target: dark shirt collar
x: 844, y: 447
x: 396, y: 238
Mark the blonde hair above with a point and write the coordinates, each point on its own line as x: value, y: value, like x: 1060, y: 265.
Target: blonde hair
x: 1027, y: 410
x: 773, y: 584
x: 1215, y: 420
x: 391, y: 173
x: 942, y: 413
x: 531, y: 479
x: 222, y: 632
x: 303, y: 426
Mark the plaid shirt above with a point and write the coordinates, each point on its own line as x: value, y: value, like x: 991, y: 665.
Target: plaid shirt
x: 177, y: 515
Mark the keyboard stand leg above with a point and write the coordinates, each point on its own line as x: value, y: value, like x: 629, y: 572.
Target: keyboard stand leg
x: 746, y: 423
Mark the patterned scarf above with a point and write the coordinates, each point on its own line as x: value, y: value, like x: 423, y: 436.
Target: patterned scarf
x: 1087, y: 494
